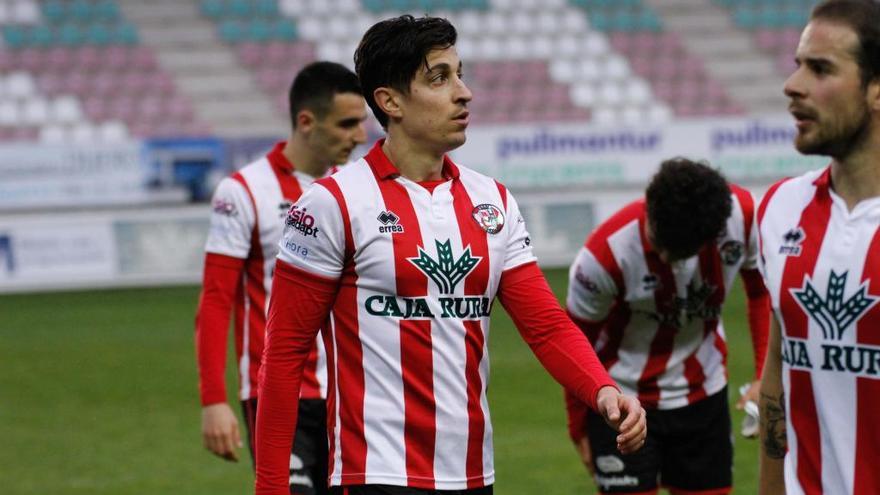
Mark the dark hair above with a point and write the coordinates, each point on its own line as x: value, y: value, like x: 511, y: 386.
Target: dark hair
x: 316, y: 85
x: 863, y: 17
x: 688, y: 205
x: 392, y: 51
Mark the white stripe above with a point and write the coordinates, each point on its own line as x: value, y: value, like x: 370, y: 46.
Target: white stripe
x: 245, y: 363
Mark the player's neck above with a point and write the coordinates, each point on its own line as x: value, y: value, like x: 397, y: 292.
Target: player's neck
x: 413, y: 161
x: 302, y: 158
x: 857, y: 177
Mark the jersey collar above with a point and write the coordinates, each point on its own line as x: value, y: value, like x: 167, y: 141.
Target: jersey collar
x: 384, y: 169
x: 278, y: 160
x: 824, y: 180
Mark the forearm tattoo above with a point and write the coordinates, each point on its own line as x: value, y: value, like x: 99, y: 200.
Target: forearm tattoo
x: 773, y: 425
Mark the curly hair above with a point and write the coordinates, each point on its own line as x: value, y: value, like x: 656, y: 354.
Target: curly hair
x: 688, y: 204
x: 392, y: 51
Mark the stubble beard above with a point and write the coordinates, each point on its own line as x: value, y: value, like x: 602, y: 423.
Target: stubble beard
x: 837, y: 142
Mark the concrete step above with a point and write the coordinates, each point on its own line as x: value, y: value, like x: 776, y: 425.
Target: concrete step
x: 144, y: 12
x: 237, y: 109
x: 175, y: 35
x: 748, y: 69
x: 204, y: 60
x: 723, y: 44
x: 708, y: 22
x: 252, y: 129
x: 227, y: 83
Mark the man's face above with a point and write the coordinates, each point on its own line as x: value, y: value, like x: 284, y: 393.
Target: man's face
x: 826, y: 95
x: 434, y: 112
x: 334, y: 136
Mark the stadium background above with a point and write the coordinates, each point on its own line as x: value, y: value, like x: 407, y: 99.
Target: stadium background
x: 118, y: 117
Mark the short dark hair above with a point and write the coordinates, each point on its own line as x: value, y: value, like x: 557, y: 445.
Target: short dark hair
x: 863, y: 17
x: 688, y: 204
x: 316, y: 85
x: 392, y: 50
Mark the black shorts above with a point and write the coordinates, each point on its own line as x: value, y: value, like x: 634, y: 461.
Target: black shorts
x: 403, y: 490
x: 308, y: 462
x: 688, y: 448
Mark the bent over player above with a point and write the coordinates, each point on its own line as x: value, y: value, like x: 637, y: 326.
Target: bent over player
x: 327, y: 113
x: 647, y: 289
x: 406, y: 254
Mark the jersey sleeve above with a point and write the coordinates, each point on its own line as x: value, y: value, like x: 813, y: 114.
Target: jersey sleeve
x: 314, y: 234
x: 519, y: 244
x: 232, y: 220
x: 591, y: 289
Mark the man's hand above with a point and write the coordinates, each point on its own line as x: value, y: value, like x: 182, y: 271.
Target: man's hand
x: 752, y: 394
x: 626, y: 416
x: 586, y: 453
x: 220, y: 431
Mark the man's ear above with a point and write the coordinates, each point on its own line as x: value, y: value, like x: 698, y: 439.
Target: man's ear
x: 874, y: 94
x: 305, y: 120
x: 388, y: 100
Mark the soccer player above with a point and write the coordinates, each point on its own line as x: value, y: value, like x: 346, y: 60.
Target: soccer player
x: 327, y: 112
x: 820, y: 250
x: 647, y: 289
x: 401, y: 255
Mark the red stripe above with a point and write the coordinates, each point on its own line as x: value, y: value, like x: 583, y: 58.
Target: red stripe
x: 328, y: 333
x: 416, y: 357
x: 290, y: 187
x: 291, y: 190
x: 712, y: 275
x: 867, y: 446
x: 664, y: 339
x: 350, y: 375
x: 618, y: 321
x: 747, y: 206
x: 597, y: 242
x: 804, y: 420
x: 255, y: 292
x: 475, y: 284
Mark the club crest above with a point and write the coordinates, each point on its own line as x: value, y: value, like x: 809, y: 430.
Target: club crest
x: 489, y: 218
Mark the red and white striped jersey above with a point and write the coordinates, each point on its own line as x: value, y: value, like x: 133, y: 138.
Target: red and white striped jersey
x: 247, y: 220
x: 408, y: 331
x: 822, y: 266
x: 659, y: 329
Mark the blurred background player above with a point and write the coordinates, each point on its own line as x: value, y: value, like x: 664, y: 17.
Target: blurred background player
x: 411, y: 252
x: 647, y: 289
x: 327, y: 116
x: 820, y: 246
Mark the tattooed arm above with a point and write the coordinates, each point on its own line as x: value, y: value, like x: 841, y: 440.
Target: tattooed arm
x: 772, y: 405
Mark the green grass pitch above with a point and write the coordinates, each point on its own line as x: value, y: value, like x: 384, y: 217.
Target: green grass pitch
x: 98, y: 395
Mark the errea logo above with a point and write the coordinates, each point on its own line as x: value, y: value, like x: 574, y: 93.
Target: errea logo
x: 791, y: 242
x: 390, y: 223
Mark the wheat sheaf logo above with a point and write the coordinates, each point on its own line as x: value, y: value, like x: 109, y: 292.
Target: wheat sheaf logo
x: 445, y: 271
x: 834, y: 313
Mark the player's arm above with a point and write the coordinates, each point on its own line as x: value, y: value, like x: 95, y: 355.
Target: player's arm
x: 758, y: 310
x: 304, y: 288
x: 231, y: 223
x: 772, y: 418
x: 565, y: 352
x: 220, y: 431
x: 556, y: 341
x: 757, y: 296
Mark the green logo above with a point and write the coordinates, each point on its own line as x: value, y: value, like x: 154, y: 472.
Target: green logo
x: 833, y: 313
x: 445, y: 272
